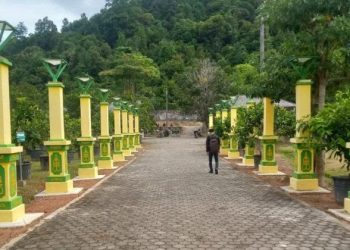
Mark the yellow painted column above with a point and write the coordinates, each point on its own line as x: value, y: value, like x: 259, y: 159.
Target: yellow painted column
x: 59, y: 179
x: 118, y: 155
x: 347, y: 200
x: 248, y: 159
x: 233, y: 152
x: 105, y: 160
x: 268, y: 163
x: 87, y: 168
x: 125, y: 131
x: 131, y: 131
x: 211, y: 118
x: 304, y: 177
x: 137, y: 129
x: 225, y: 142
x: 11, y: 206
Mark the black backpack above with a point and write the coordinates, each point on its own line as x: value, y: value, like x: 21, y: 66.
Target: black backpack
x: 213, y: 144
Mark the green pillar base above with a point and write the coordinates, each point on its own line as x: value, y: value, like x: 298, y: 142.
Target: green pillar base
x: 11, y: 205
x: 138, y: 140
x: 59, y: 180
x: 126, y: 145
x: 304, y: 177
x: 268, y: 169
x: 268, y: 163
x: 233, y: 155
x: 225, y: 146
x: 347, y: 203
x: 132, y: 147
x: 118, y: 155
x: 304, y: 184
x: 105, y: 160
x: 87, y: 168
x: 248, y: 158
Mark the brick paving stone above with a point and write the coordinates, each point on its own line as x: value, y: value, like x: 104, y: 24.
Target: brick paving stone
x: 167, y: 200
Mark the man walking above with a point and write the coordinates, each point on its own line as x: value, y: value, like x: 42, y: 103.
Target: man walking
x: 213, y: 148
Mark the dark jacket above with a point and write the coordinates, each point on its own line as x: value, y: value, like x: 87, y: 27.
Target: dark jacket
x: 208, y: 141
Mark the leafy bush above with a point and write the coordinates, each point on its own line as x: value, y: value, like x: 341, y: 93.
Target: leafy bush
x: 249, y: 125
x: 329, y: 130
x: 28, y: 117
x: 285, y: 122
x: 222, y: 129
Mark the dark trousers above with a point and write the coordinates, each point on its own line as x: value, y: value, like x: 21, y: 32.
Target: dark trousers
x: 216, y: 157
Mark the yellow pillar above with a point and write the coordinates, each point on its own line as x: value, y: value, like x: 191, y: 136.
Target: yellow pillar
x: 233, y: 152
x: 304, y: 177
x: 87, y: 168
x: 11, y: 206
x: 59, y: 179
x: 211, y: 118
x: 125, y: 131
x: 268, y: 163
x: 118, y: 155
x: 248, y: 159
x: 347, y: 200
x: 131, y: 132
x: 105, y: 160
x: 137, y: 130
x: 225, y: 142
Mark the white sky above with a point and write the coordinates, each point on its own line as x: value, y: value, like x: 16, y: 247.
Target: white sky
x: 30, y: 11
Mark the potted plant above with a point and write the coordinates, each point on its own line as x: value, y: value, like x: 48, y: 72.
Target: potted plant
x: 329, y: 131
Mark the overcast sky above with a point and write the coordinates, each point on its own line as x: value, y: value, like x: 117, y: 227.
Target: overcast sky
x: 30, y: 11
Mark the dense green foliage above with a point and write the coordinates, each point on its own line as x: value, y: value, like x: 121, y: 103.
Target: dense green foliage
x: 199, y: 51
x: 140, y: 48
x: 330, y: 129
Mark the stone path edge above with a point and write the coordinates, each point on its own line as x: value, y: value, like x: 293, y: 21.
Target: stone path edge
x: 12, y: 242
x: 331, y: 216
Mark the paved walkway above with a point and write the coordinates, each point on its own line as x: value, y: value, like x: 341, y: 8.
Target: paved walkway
x: 167, y: 200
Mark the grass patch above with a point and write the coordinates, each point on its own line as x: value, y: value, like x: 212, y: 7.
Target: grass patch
x: 36, y: 183
x: 287, y: 151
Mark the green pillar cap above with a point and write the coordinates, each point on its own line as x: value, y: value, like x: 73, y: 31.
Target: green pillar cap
x: 104, y: 95
x: 304, y: 82
x: 55, y: 67
x: 85, y: 84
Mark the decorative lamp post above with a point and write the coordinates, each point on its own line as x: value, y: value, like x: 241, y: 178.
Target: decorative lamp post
x: 137, y: 129
x: 125, y: 130
x: 87, y: 168
x: 59, y: 179
x: 118, y: 155
x: 268, y: 163
x: 224, y: 116
x: 11, y: 205
x: 304, y: 177
x: 105, y: 160
x: 211, y: 118
x: 347, y: 200
x: 131, y: 129
x: 248, y: 159
x: 233, y: 152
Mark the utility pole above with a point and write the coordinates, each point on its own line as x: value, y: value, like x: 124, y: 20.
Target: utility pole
x: 262, y: 44
x: 166, y: 106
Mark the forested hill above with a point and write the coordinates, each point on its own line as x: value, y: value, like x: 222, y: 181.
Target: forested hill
x: 140, y: 47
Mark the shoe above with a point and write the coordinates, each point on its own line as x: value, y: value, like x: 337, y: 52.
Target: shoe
x: 216, y: 171
x: 210, y: 171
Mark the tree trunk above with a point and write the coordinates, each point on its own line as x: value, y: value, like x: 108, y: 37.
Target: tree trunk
x: 320, y: 158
